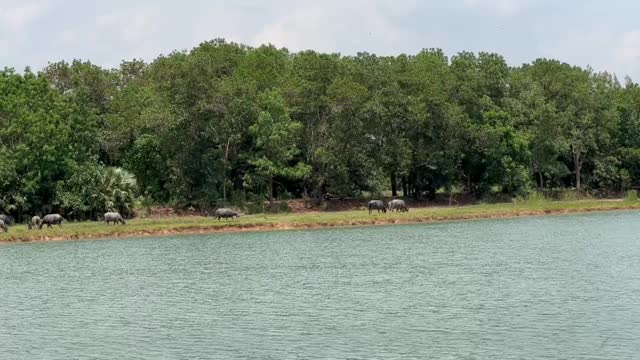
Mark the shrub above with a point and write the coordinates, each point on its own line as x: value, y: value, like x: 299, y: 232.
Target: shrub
x: 631, y: 196
x: 534, y: 198
x: 277, y: 207
x: 569, y: 195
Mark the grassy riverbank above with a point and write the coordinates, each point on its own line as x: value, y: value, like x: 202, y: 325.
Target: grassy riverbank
x: 261, y: 222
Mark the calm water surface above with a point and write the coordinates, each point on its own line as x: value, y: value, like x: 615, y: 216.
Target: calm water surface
x: 543, y: 288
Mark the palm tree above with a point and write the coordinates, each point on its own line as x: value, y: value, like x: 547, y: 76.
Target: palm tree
x: 118, y: 189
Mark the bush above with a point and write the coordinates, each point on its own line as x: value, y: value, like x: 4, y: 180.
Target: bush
x: 143, y: 205
x: 631, y: 196
x: 569, y: 195
x: 496, y: 198
x: 277, y: 207
x: 253, y: 208
x: 250, y: 204
x: 534, y: 198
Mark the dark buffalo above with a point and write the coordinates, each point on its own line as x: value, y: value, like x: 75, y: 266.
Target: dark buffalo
x: 35, y: 222
x: 377, y: 205
x: 50, y: 220
x: 398, y: 205
x: 8, y: 220
x: 226, y: 214
x: 113, y: 217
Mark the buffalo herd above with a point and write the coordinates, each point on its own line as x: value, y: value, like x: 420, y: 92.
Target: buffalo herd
x: 223, y: 213
x: 114, y: 218
x: 56, y: 219
x: 394, y: 205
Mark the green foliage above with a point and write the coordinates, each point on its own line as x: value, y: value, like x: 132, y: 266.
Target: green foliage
x: 609, y: 176
x: 534, y: 199
x: 569, y: 195
x: 630, y: 161
x: 225, y: 124
x: 278, y: 207
x: 79, y: 195
x: 275, y: 138
x: 118, y: 189
x: 631, y: 196
x: 93, y: 190
x: 146, y: 162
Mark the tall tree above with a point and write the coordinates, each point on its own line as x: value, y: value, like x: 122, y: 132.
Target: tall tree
x: 275, y: 139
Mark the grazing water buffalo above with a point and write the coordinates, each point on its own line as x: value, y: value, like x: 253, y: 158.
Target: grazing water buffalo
x: 113, y: 217
x: 51, y: 219
x: 35, y: 221
x: 226, y: 213
x: 8, y: 220
x: 4, y: 226
x: 377, y: 205
x: 398, y: 205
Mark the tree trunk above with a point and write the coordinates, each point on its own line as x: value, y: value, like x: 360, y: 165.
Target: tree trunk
x: 578, y: 164
x: 414, y: 190
x: 224, y: 187
x: 405, y: 188
x: 271, y: 190
x: 541, y: 179
x: 227, y: 149
x: 394, y: 185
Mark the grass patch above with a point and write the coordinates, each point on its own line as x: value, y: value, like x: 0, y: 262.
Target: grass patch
x: 194, y: 224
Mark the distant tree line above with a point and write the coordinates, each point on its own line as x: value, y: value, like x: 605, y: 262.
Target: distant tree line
x: 229, y: 123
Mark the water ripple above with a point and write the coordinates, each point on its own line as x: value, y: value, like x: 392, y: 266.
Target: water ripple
x: 545, y: 288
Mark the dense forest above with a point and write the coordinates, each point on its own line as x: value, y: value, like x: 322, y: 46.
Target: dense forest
x: 227, y: 123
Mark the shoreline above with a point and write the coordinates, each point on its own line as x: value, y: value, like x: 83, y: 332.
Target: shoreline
x: 307, y: 221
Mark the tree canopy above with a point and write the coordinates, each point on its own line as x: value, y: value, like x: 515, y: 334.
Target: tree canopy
x: 226, y: 122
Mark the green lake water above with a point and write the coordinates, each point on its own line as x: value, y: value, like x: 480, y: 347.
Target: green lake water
x: 534, y: 288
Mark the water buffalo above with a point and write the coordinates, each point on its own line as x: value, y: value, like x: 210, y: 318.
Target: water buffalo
x: 226, y: 213
x: 8, y: 220
x: 398, y: 205
x: 377, y: 205
x: 51, y: 219
x: 35, y: 221
x: 113, y: 217
x: 4, y: 226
